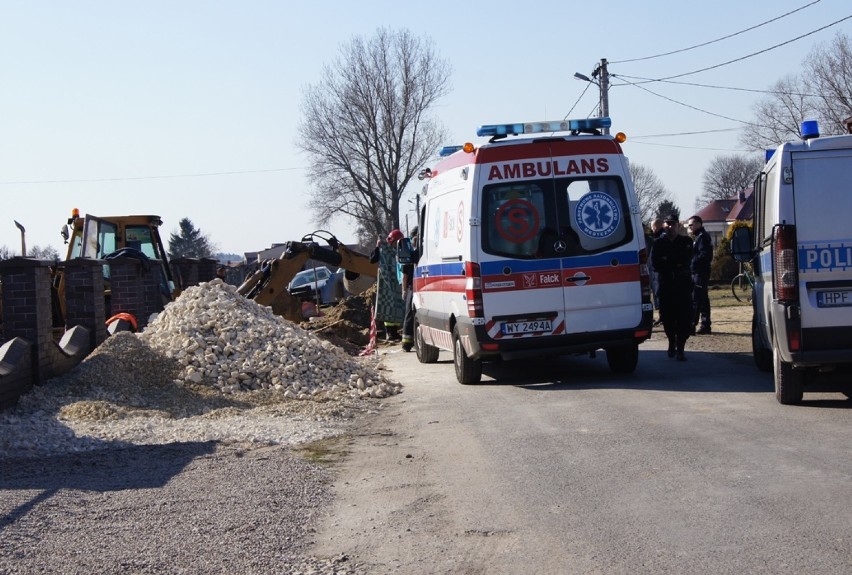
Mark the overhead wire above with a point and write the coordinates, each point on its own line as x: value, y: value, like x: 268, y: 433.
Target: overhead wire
x: 580, y: 97
x: 697, y: 109
x: 753, y: 54
x: 668, y: 79
x: 712, y: 86
x: 717, y: 39
x: 684, y: 133
x: 161, y: 177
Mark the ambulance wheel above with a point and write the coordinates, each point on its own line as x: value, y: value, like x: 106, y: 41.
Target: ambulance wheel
x: 789, y: 382
x: 762, y: 356
x: 425, y: 353
x: 623, y: 359
x: 467, y: 370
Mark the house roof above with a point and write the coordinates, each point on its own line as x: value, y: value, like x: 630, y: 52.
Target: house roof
x: 730, y: 209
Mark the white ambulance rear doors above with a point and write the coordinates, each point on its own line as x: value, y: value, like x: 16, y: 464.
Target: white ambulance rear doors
x: 557, y: 248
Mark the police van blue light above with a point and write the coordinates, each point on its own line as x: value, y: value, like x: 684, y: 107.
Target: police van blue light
x: 810, y: 129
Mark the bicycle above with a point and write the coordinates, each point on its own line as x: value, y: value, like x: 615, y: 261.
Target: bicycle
x: 742, y: 286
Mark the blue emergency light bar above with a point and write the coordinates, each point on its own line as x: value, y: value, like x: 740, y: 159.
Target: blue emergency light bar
x: 449, y: 150
x: 584, y: 125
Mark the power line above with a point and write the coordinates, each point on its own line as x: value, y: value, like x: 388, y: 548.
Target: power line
x: 717, y: 39
x: 685, y: 133
x: 753, y: 54
x: 132, y: 178
x: 588, y: 84
x: 689, y: 105
x: 645, y: 80
x: 691, y: 147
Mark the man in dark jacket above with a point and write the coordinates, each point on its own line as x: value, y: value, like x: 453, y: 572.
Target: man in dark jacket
x: 702, y: 257
x: 671, y: 256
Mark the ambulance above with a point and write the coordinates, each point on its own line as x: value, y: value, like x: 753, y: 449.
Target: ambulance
x: 532, y: 246
x: 800, y: 247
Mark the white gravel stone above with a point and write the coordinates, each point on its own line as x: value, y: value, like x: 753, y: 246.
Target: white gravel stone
x: 212, y: 366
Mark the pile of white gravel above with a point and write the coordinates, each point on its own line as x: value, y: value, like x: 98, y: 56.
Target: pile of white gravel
x: 212, y: 366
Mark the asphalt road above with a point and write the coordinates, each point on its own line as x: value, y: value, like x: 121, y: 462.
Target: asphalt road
x: 560, y: 466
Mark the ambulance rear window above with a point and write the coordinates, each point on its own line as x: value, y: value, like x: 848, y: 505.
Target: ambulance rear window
x: 560, y: 217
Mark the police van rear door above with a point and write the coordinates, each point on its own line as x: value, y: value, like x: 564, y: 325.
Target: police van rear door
x: 823, y: 203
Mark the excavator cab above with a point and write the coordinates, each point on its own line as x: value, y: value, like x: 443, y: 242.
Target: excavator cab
x: 98, y: 237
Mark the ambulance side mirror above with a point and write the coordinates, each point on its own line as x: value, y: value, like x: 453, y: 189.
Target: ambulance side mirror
x: 741, y: 245
x: 405, y: 251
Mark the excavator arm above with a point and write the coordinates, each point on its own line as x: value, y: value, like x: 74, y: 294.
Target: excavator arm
x: 268, y: 285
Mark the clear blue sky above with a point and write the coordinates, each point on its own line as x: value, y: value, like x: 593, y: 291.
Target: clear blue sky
x: 190, y: 108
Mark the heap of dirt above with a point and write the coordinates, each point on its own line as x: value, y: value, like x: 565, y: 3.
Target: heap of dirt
x: 346, y: 324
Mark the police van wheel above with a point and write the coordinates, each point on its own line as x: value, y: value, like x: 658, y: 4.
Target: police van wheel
x: 762, y: 355
x: 425, y: 353
x: 467, y: 370
x: 623, y: 359
x: 789, y: 382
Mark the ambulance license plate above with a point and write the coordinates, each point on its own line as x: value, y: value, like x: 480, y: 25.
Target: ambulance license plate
x: 534, y: 326
x: 834, y: 298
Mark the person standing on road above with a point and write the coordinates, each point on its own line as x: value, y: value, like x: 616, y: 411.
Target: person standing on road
x: 408, y: 294
x: 389, y: 303
x: 702, y: 257
x: 656, y: 231
x: 671, y: 257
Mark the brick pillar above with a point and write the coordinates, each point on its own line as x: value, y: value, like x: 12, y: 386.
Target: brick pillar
x: 186, y: 272
x: 154, y: 291
x: 84, y: 297
x: 135, y: 288
x: 207, y: 269
x: 27, y: 311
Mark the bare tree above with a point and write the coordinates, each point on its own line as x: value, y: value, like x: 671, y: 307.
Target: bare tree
x: 366, y: 126
x: 779, y: 116
x: 830, y: 77
x: 822, y: 92
x: 727, y: 176
x: 43, y: 253
x: 650, y: 191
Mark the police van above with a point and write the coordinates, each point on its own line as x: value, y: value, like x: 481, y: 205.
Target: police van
x: 532, y: 245
x: 800, y: 247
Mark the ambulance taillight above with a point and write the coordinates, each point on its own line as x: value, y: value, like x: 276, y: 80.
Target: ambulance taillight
x: 473, y: 289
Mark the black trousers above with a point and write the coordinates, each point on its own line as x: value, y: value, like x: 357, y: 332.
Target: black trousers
x: 408, y: 321
x: 700, y: 300
x: 676, y: 310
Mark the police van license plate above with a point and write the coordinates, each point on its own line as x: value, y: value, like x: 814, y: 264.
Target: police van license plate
x: 534, y: 326
x: 834, y: 298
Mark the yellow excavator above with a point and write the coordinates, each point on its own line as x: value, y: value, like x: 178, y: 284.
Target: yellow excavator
x: 268, y: 285
x: 98, y: 236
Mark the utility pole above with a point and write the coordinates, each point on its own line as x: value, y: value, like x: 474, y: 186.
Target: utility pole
x: 603, y: 82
